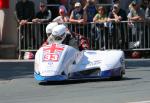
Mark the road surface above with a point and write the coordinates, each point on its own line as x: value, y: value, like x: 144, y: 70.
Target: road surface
x: 17, y: 85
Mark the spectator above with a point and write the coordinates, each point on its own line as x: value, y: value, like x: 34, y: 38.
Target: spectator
x: 113, y: 3
x: 64, y: 2
x: 98, y: 30
x: 43, y: 15
x: 136, y: 14
x: 104, y: 1
x: 147, y: 12
x: 90, y: 8
x: 71, y: 4
x: 144, y: 4
x: 64, y: 8
x: 83, y: 2
x: 53, y: 5
x: 62, y: 18
x: 25, y: 13
x: 115, y: 16
x: 116, y: 2
x: 147, y: 29
x: 101, y: 16
x: 124, y: 4
x: 78, y: 16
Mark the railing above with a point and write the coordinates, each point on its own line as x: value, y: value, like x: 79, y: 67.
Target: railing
x: 123, y: 35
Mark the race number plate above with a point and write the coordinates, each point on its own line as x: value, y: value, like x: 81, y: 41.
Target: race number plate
x: 52, y: 52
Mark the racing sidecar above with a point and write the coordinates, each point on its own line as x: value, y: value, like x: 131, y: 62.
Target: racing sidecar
x: 58, y: 62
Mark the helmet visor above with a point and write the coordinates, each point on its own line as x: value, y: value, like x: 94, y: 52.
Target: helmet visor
x: 59, y: 38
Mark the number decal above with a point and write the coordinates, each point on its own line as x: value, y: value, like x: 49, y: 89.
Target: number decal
x: 52, y: 57
x: 51, y: 53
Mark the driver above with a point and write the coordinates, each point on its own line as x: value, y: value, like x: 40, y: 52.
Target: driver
x: 58, y: 34
x: 61, y: 35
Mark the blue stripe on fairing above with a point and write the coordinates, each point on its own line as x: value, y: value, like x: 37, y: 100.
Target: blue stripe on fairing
x: 103, y: 74
x: 49, y: 78
x: 77, y: 75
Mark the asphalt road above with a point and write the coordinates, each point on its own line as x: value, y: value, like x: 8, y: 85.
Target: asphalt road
x: 17, y: 85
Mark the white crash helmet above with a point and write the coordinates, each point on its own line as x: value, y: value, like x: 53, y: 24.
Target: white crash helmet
x: 59, y: 33
x: 49, y: 27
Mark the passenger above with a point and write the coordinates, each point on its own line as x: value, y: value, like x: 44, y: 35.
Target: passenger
x: 49, y: 28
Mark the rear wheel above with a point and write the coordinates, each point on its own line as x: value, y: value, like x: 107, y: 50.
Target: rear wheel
x: 118, y: 77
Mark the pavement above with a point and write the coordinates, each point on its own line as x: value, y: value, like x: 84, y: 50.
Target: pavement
x: 137, y: 62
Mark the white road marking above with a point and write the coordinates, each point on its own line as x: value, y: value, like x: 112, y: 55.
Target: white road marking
x: 140, y: 102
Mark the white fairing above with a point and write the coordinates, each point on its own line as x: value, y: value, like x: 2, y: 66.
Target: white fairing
x: 49, y: 62
x: 56, y: 60
x: 99, y: 59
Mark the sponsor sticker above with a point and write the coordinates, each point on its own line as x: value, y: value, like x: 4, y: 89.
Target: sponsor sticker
x: 94, y: 63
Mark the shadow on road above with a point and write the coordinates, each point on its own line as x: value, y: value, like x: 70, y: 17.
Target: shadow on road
x: 127, y: 79
x: 10, y: 71
x: 68, y: 82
